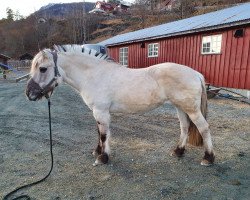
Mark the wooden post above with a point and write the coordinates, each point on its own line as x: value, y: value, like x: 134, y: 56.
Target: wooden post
x: 4, y: 74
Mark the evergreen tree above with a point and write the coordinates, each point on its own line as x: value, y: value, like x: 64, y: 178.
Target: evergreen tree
x: 18, y: 16
x: 10, y: 14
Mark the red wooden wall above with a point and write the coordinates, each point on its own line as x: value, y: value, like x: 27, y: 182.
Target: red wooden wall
x: 231, y: 68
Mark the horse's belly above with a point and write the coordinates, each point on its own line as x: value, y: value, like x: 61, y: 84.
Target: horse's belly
x: 135, y: 108
x: 135, y: 105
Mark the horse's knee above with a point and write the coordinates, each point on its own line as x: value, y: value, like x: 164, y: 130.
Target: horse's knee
x: 202, y: 125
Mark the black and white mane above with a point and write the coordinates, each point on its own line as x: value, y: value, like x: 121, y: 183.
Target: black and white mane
x: 81, y: 49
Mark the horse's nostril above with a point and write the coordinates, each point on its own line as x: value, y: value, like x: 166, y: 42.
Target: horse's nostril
x: 32, y: 97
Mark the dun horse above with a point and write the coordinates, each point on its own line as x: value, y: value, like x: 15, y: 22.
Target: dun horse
x: 108, y: 87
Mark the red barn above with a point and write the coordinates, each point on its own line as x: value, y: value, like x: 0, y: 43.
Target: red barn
x: 217, y: 44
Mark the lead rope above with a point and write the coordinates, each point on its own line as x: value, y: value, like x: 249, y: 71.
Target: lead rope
x: 7, y: 197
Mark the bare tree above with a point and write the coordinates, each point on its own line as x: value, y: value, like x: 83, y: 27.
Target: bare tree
x: 185, y: 8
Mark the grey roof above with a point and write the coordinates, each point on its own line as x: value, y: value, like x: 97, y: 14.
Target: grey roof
x: 236, y: 15
x: 4, y: 56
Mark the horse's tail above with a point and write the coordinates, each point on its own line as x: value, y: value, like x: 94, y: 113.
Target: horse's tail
x: 194, y: 135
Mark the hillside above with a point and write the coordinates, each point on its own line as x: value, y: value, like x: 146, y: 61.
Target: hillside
x: 71, y: 23
x: 63, y: 10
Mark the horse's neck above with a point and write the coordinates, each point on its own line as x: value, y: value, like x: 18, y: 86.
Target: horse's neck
x: 79, y: 70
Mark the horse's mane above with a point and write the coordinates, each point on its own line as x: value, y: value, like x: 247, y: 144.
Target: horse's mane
x: 74, y: 48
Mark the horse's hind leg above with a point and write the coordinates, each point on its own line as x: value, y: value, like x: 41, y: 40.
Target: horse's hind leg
x: 203, y: 127
x: 184, y: 125
x: 103, y: 150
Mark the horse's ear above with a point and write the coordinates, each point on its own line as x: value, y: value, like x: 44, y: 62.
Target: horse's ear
x: 45, y: 54
x: 56, y: 48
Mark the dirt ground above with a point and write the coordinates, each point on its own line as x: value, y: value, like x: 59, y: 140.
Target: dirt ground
x: 140, y: 167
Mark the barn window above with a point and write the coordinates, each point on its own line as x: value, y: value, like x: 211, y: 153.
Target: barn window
x: 123, y: 57
x: 153, y: 50
x: 211, y: 44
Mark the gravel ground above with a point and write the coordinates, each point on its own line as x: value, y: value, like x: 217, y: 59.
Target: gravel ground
x: 141, y: 166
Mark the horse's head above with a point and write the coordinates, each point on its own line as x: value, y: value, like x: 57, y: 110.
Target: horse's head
x: 44, y: 75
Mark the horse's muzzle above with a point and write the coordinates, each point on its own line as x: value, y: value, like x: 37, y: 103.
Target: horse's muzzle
x: 35, y: 92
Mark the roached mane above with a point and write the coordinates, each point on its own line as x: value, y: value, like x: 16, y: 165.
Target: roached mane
x: 80, y: 49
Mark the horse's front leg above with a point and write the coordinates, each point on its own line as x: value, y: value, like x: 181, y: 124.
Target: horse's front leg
x: 103, y: 149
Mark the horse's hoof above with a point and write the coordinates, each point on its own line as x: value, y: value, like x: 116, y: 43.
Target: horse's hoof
x: 94, y: 153
x: 206, y: 163
x: 179, y: 152
x: 208, y: 159
x: 96, y: 163
x: 101, y: 159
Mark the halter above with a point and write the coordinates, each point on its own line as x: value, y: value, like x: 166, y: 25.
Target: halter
x: 46, y: 89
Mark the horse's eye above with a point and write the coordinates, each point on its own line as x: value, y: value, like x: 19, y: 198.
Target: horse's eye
x: 43, y: 69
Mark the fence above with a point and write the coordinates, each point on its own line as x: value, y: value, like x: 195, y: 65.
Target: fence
x: 17, y: 69
x: 19, y: 65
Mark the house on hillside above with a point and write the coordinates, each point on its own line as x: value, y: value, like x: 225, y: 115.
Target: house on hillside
x: 108, y: 7
x: 216, y: 44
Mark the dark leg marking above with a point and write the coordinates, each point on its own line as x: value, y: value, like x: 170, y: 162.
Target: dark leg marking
x: 104, y: 158
x: 103, y: 137
x: 209, y: 157
x: 98, y: 150
x: 179, y: 151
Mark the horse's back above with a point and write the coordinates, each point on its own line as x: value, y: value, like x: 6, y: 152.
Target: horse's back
x: 176, y: 74
x: 174, y: 70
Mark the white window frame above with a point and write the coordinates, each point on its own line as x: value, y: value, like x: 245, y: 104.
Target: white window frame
x: 153, y: 50
x: 123, y: 56
x: 211, y: 44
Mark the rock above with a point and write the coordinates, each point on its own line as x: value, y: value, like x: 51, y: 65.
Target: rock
x: 241, y: 154
x: 235, y: 182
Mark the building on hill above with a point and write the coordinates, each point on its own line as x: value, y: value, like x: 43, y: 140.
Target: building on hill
x: 217, y: 44
x: 110, y: 7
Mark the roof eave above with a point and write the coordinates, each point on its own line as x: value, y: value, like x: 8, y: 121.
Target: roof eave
x: 4, y: 56
x: 221, y: 26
